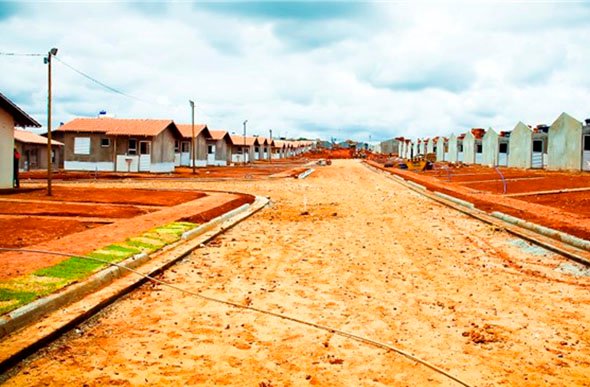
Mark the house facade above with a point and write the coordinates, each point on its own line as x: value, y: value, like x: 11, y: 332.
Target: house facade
x: 10, y: 117
x: 565, y: 140
x: 183, y: 155
x: 219, y: 148
x: 33, y: 151
x: 120, y: 145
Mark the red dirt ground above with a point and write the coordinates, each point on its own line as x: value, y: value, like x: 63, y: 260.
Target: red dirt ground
x: 100, y: 211
x: 577, y: 223
x: 112, y: 196
x: 574, y: 202
x: 31, y: 230
x: 330, y: 154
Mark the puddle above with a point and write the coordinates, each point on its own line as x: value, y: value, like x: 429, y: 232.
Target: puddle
x: 576, y: 269
x: 529, y: 247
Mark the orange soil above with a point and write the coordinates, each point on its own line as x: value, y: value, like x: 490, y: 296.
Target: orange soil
x: 30, y: 230
x: 112, y: 196
x: 577, y: 224
x: 14, y: 207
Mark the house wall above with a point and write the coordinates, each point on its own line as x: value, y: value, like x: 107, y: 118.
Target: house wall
x: 6, y: 149
x: 490, y: 148
x: 453, y: 149
x: 440, y: 149
x: 520, y: 147
x: 430, y: 146
x: 97, y: 152
x: 564, y: 150
x: 469, y: 148
x: 34, y: 156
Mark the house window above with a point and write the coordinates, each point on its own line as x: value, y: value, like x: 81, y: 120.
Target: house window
x: 186, y: 147
x: 257, y: 149
x: 503, y: 147
x: 460, y: 147
x: 176, y: 146
x: 132, y: 147
x: 479, y: 148
x: 105, y: 142
x: 210, y: 149
x: 82, y: 145
x: 587, y: 143
x: 538, y: 146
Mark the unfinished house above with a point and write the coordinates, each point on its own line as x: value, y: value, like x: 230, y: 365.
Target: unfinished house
x: 183, y: 155
x: 442, y: 149
x: 33, y: 151
x: 422, y: 146
x: 565, y: 150
x: 495, y: 148
x: 473, y: 147
x: 409, y: 147
x: 218, y: 148
x: 452, y: 146
x: 121, y: 145
x: 431, y: 145
x: 528, y: 147
x: 242, y: 148
x: 278, y: 149
x: 262, y: 148
x: 10, y: 116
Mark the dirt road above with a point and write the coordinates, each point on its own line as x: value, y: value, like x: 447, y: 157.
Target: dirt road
x: 349, y: 249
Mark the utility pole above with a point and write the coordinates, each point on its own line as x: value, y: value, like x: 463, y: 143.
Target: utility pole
x: 244, y: 149
x: 51, y: 53
x: 193, y: 133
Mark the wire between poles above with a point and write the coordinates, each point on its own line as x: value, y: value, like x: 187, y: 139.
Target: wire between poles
x: 252, y: 308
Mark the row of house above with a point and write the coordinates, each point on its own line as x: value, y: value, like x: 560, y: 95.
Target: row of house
x: 565, y: 145
x: 148, y: 145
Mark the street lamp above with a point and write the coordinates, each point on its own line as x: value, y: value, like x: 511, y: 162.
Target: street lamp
x: 193, y: 132
x: 47, y: 61
x: 244, y: 150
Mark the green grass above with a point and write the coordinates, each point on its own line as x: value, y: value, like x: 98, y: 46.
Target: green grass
x: 20, y: 291
x: 12, y: 299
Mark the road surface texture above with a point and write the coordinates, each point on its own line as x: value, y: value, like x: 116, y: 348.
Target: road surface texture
x: 349, y: 249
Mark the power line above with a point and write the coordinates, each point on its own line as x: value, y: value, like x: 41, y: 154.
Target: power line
x: 112, y: 89
x: 18, y: 54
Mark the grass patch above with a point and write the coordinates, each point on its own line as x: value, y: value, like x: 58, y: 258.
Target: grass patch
x: 20, y: 291
x: 12, y: 299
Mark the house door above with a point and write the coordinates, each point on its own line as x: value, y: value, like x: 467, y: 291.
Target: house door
x: 210, y: 154
x: 145, y: 156
x: 185, y: 153
x: 538, y: 157
x: 503, y: 154
x: 586, y: 152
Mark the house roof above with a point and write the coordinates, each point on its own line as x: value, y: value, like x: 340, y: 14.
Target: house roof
x: 20, y: 117
x: 32, y: 138
x: 187, y: 130
x: 239, y: 140
x: 218, y: 134
x: 118, y: 126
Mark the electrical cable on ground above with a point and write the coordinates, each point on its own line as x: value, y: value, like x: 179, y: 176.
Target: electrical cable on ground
x: 246, y: 307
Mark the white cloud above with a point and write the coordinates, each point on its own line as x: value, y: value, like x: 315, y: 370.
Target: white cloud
x: 326, y: 70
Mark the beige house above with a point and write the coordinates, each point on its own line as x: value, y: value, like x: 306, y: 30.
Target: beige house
x: 182, y: 147
x: 33, y: 150
x: 10, y: 116
x: 219, y: 148
x: 121, y: 145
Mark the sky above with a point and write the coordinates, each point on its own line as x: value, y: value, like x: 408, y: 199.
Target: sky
x: 366, y: 71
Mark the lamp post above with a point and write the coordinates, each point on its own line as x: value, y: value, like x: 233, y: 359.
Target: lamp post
x: 244, y: 150
x: 193, y: 132
x: 47, y: 60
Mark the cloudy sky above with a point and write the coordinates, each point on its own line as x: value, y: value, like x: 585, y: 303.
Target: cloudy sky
x: 360, y: 70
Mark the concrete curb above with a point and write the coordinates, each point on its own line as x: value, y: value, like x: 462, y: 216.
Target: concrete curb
x: 455, y: 200
x: 415, y: 185
x: 548, y: 232
x: 31, y: 313
x: 306, y: 173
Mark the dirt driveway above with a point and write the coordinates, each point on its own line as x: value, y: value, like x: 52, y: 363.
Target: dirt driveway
x: 349, y: 249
